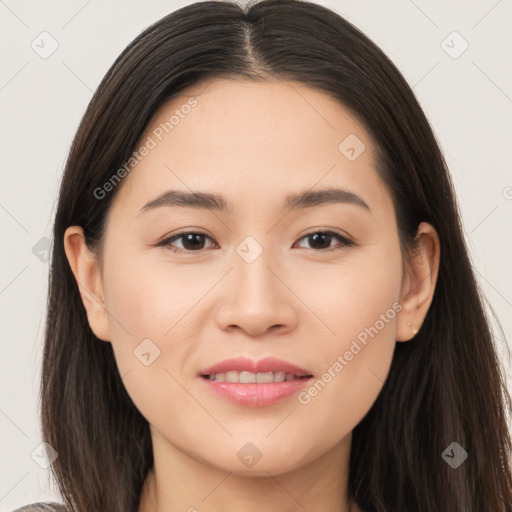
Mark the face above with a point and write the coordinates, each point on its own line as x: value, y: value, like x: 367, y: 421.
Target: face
x: 316, y: 284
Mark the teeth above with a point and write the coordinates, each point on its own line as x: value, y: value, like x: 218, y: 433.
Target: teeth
x: 251, y: 378
x: 232, y: 377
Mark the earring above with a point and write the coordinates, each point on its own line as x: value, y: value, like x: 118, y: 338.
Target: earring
x: 414, y: 331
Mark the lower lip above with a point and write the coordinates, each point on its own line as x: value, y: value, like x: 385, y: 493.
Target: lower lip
x: 256, y: 395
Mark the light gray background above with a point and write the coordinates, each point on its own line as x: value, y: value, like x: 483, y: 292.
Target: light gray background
x: 467, y: 100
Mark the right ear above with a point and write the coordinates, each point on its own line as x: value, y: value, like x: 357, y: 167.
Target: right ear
x: 85, y: 268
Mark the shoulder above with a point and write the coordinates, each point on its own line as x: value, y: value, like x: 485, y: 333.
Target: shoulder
x: 43, y: 507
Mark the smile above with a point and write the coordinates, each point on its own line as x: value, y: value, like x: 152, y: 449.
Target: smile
x: 254, y: 378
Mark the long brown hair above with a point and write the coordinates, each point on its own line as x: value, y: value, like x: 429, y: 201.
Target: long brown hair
x: 446, y: 386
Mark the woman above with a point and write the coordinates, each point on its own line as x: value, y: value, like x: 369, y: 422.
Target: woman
x: 260, y: 295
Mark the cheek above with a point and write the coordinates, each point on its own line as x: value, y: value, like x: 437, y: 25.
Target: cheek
x: 152, y: 322
x: 150, y: 298
x: 361, y: 307
x: 350, y: 295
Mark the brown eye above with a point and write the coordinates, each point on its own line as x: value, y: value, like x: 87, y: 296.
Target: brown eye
x: 191, y: 241
x: 321, y: 240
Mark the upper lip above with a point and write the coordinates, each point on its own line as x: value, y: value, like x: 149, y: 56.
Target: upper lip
x: 244, y: 364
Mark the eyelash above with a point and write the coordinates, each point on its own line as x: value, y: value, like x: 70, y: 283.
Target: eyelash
x: 345, y: 242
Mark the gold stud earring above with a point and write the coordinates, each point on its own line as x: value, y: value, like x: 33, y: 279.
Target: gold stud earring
x: 414, y: 331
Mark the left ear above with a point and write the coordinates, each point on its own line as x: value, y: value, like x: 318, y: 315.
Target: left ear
x: 419, y: 283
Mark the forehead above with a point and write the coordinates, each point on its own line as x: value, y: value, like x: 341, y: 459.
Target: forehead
x: 254, y: 116
x: 247, y: 138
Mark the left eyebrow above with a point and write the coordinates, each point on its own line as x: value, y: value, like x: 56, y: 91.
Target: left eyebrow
x: 325, y: 196
x: 216, y: 202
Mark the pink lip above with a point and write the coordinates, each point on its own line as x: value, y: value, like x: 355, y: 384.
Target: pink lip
x: 244, y: 364
x: 254, y: 394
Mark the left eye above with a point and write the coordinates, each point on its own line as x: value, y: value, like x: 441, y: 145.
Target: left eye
x: 325, y: 238
x: 194, y: 241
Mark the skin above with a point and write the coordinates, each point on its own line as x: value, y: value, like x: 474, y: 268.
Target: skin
x: 254, y: 144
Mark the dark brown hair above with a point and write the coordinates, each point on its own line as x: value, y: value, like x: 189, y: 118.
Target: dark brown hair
x: 445, y: 386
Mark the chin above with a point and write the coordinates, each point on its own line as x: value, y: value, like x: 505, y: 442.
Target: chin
x: 261, y: 465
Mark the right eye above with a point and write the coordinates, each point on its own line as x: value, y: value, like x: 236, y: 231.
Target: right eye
x: 192, y: 241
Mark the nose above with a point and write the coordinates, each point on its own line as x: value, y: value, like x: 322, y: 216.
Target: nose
x: 257, y: 299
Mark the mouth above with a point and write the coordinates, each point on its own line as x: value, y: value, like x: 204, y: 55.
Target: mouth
x: 244, y: 370
x: 251, y: 383
x: 246, y: 377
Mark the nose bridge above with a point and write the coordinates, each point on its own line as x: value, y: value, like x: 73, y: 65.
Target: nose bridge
x: 255, y: 285
x: 257, y: 299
